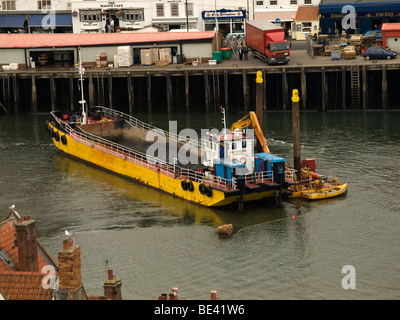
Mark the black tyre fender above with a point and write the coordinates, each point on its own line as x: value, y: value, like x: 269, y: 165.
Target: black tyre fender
x: 208, y: 191
x: 56, y: 136
x: 64, y: 139
x: 202, y: 188
x: 184, y: 185
x: 190, y: 186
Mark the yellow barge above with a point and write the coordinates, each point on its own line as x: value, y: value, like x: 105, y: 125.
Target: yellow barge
x: 118, y: 143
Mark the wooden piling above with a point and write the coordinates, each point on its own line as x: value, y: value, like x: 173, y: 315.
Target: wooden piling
x: 149, y: 104
x: 384, y: 88
x: 324, y: 88
x: 259, y: 104
x: 187, y: 97
x: 110, y: 90
x: 130, y: 92
x: 245, y: 91
x: 169, y: 92
x: 15, y: 93
x: 265, y: 90
x: 364, y: 87
x: 226, y: 90
x: 207, y: 91
x: 284, y: 89
x: 71, y: 92
x: 52, y: 92
x: 296, y: 133
x: 91, y: 90
x: 303, y: 81
x: 34, y: 95
x: 343, y: 88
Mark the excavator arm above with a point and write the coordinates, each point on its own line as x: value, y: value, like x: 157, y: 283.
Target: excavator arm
x: 251, y: 120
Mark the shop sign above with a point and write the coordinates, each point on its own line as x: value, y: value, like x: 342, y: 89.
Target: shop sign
x: 224, y: 14
x: 111, y: 4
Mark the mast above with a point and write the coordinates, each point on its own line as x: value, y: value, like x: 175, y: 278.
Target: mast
x: 82, y: 102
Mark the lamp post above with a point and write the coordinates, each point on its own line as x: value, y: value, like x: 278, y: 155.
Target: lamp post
x: 187, y: 16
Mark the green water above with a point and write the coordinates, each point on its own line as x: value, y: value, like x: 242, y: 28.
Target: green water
x: 155, y: 242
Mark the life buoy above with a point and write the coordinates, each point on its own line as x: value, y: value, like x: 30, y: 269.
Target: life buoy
x: 184, y: 185
x: 202, y: 188
x: 243, y: 160
x: 64, y: 139
x: 190, y: 186
x: 57, y: 136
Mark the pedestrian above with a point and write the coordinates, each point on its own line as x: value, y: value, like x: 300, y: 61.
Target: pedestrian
x: 112, y: 25
x: 289, y: 34
x: 246, y: 52
x: 240, y: 53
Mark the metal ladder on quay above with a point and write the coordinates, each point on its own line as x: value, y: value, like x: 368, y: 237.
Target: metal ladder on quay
x: 100, y: 89
x: 6, y: 94
x: 216, y: 90
x: 355, y: 85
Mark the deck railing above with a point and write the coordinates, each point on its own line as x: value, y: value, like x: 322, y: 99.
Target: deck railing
x: 145, y: 160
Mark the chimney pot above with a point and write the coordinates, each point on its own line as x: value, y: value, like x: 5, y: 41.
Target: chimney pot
x: 110, y: 274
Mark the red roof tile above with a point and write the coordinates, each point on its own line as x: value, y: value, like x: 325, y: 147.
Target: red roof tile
x: 20, y: 285
x: 307, y: 13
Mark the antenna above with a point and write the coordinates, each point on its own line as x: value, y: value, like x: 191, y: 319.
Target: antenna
x: 82, y: 102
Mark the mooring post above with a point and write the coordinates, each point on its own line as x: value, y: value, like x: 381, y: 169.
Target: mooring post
x: 15, y: 91
x: 303, y: 88
x: 149, y: 104
x: 343, y: 87
x: 384, y: 88
x: 296, y: 133
x: 259, y: 104
x: 187, y: 97
x: 33, y: 95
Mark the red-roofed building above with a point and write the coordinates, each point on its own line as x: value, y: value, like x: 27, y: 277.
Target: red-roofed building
x: 307, y: 21
x: 28, y: 272
x: 17, y: 48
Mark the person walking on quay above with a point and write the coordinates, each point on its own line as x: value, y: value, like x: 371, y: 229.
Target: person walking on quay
x: 290, y: 37
x: 240, y: 53
x: 246, y: 52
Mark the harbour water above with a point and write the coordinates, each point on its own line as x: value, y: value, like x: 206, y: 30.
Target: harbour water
x: 155, y: 242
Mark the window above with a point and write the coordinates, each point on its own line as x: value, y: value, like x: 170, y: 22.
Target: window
x: 43, y: 4
x: 293, y: 1
x: 8, y: 5
x: 174, y: 10
x: 307, y: 1
x: 306, y: 27
x: 160, y: 9
x: 259, y: 3
x: 190, y: 9
x: 273, y: 2
x: 90, y: 15
x: 134, y: 15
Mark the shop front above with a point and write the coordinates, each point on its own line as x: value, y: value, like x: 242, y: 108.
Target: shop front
x: 229, y: 21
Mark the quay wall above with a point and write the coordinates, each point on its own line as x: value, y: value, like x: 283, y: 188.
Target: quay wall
x: 204, y: 89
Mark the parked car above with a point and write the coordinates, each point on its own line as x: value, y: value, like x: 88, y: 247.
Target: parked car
x: 379, y: 53
x: 376, y: 33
